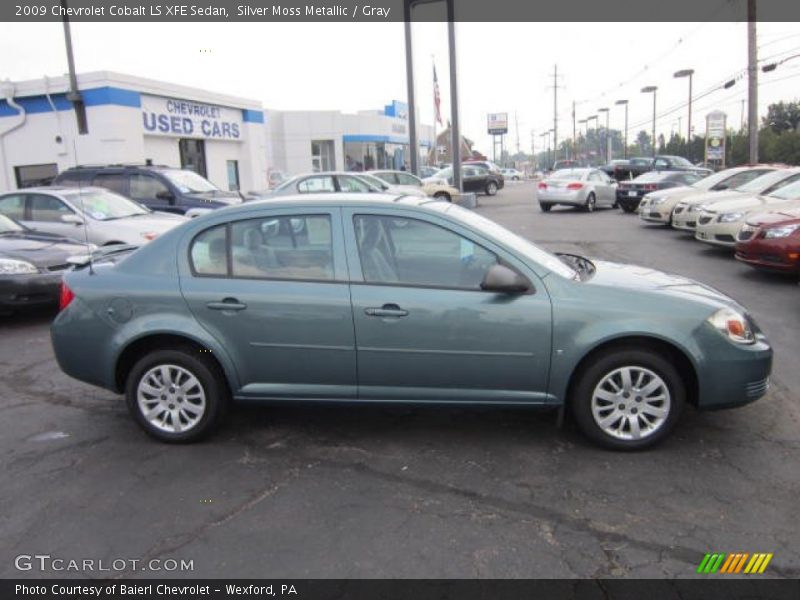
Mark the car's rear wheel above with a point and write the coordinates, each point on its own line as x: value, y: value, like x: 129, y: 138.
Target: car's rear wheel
x: 176, y: 395
x: 629, y: 399
x: 591, y: 202
x: 545, y: 207
x: 628, y: 208
x: 491, y: 188
x: 443, y: 196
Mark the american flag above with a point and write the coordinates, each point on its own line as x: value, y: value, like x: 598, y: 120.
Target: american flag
x: 437, y: 100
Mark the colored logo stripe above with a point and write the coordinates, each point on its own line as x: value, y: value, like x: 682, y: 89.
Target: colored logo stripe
x: 733, y: 563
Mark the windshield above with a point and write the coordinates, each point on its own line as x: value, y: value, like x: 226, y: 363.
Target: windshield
x: 708, y: 182
x: 9, y: 226
x: 189, y: 181
x: 105, y: 206
x: 763, y: 182
x: 374, y: 181
x: 512, y: 240
x: 789, y: 192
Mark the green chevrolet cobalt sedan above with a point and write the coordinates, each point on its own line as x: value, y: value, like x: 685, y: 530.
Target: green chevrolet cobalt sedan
x: 397, y: 299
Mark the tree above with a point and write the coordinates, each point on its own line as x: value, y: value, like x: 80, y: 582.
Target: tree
x: 643, y: 141
x: 783, y: 116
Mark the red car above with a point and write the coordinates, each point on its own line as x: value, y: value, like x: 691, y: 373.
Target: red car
x: 771, y: 241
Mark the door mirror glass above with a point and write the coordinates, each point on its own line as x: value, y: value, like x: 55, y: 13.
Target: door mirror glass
x: 500, y: 278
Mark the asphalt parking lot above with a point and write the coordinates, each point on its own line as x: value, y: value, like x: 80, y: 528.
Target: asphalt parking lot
x: 410, y: 493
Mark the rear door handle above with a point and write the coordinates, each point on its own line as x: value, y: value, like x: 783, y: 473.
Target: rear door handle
x: 387, y: 310
x: 227, y: 304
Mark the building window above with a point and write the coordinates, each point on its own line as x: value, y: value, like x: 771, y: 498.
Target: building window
x: 32, y: 175
x: 193, y: 155
x: 322, y: 155
x: 232, y: 167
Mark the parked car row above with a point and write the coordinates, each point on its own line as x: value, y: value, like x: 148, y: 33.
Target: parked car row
x: 752, y: 209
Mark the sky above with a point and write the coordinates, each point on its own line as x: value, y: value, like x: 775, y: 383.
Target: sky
x: 501, y: 67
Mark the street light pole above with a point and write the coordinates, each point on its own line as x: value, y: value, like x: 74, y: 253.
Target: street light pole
x: 625, y: 104
x: 651, y: 89
x: 589, y: 118
x: 583, y: 149
x: 607, y: 153
x: 412, y: 105
x: 687, y: 73
x: 752, y: 81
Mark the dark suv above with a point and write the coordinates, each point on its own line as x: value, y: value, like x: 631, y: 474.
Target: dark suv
x: 158, y: 187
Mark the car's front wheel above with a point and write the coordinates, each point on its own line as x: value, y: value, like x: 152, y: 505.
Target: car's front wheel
x: 176, y: 395
x: 629, y: 399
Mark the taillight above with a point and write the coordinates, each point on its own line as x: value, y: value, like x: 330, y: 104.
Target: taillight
x: 542, y: 185
x: 649, y: 187
x: 575, y: 186
x: 65, y: 297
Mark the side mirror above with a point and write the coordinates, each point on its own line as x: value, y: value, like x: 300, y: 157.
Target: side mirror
x: 71, y: 218
x: 502, y: 279
x: 166, y: 195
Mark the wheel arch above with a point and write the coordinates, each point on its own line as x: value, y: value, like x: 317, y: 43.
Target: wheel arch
x: 143, y: 345
x: 678, y: 356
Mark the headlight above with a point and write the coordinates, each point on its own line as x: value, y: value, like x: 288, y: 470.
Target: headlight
x: 730, y: 217
x: 657, y: 200
x: 11, y: 266
x: 733, y: 325
x: 781, y: 232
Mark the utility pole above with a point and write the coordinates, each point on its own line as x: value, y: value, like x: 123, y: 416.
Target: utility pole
x: 574, y: 138
x: 516, y: 127
x: 74, y: 94
x: 412, y: 105
x: 752, y: 81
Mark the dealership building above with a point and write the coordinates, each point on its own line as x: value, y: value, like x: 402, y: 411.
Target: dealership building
x: 232, y: 141
x: 129, y: 120
x: 325, y: 140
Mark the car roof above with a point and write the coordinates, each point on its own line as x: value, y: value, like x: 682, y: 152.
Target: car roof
x: 336, y: 199
x: 58, y: 190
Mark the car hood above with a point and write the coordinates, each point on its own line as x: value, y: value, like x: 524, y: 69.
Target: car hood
x: 155, y: 222
x: 40, y: 250
x: 714, y: 197
x: 786, y: 212
x: 633, y: 277
x: 742, y: 203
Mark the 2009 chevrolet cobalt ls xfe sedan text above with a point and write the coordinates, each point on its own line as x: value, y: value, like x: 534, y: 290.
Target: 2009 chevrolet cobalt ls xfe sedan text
x: 393, y: 299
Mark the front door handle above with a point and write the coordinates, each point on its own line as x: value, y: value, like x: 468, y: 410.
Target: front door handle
x: 387, y: 310
x: 227, y: 304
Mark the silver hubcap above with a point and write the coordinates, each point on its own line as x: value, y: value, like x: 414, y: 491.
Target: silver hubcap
x: 631, y: 403
x: 171, y: 398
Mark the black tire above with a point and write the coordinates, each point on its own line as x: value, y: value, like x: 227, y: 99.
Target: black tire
x: 443, y: 196
x: 491, y: 188
x: 591, y: 202
x: 628, y: 208
x: 591, y: 375
x: 545, y: 207
x: 205, y: 371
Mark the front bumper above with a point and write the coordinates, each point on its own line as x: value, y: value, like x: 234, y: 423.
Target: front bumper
x: 731, y: 374
x: 782, y: 254
x: 36, y: 289
x: 718, y: 234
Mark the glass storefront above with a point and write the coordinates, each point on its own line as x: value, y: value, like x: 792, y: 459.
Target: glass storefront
x: 367, y: 156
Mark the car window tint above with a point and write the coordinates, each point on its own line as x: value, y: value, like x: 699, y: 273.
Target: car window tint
x: 291, y: 247
x: 316, y: 185
x: 389, y: 178
x: 112, y: 181
x: 209, y: 253
x: 417, y: 253
x: 741, y: 178
x: 47, y: 208
x: 145, y: 187
x: 782, y: 184
x: 13, y: 206
x: 353, y: 184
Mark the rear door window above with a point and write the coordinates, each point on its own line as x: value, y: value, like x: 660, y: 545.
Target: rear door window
x: 13, y: 206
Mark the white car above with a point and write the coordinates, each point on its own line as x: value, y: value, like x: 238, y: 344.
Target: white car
x: 719, y: 223
x: 408, y: 181
x: 658, y: 207
x: 392, y: 188
x: 513, y: 174
x: 687, y: 210
x: 92, y: 213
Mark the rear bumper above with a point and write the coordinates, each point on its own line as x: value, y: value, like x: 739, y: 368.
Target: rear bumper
x: 629, y: 202
x: 38, y: 289
x: 573, y: 199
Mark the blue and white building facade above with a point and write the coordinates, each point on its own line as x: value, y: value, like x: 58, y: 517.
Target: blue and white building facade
x: 323, y: 140
x: 130, y: 120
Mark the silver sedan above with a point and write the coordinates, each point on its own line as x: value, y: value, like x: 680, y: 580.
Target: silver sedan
x: 581, y: 187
